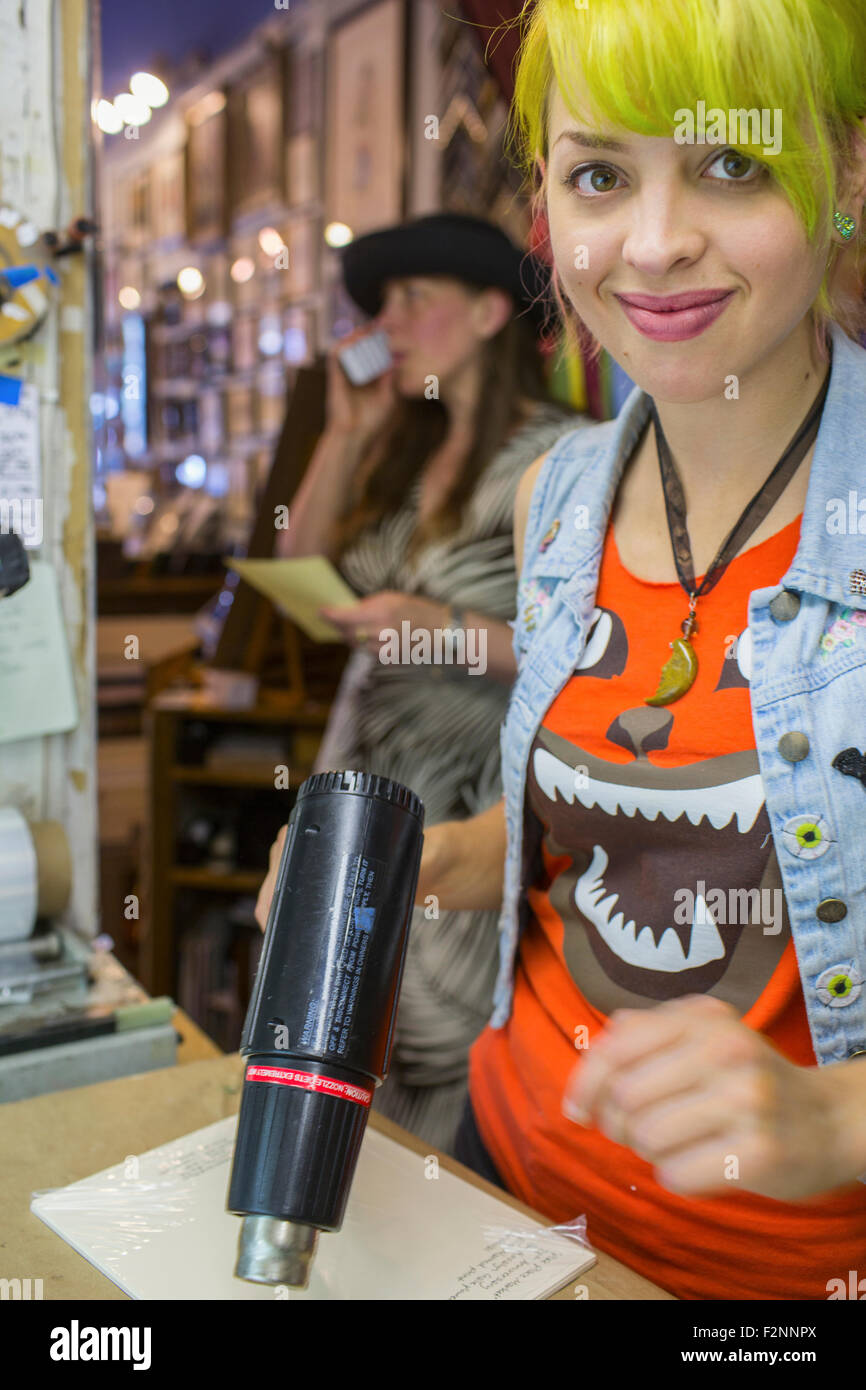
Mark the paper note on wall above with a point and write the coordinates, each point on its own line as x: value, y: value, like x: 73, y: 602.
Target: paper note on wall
x: 37, y: 694
x: 20, y: 472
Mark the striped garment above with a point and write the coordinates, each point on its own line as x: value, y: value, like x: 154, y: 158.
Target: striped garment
x: 436, y: 730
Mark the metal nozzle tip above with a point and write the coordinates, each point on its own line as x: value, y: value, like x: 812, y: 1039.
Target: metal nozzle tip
x: 271, y: 1251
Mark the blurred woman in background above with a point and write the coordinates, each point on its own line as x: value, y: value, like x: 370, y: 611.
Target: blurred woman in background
x: 411, y: 493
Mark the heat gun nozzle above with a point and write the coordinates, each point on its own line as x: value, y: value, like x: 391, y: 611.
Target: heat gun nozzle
x: 271, y: 1251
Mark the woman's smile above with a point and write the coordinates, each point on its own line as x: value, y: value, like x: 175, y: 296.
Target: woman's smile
x: 675, y: 317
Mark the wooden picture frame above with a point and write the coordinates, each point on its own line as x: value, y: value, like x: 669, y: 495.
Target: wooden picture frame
x: 167, y: 192
x: 257, y: 137
x: 302, y: 239
x: 137, y: 209
x: 365, y: 121
x: 304, y: 117
x: 245, y: 341
x: 206, y: 170
x: 300, y: 336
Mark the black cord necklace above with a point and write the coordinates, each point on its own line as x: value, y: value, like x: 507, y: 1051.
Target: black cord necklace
x: 679, y: 671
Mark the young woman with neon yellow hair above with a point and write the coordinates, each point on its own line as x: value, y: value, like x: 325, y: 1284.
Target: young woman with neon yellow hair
x: 678, y: 1045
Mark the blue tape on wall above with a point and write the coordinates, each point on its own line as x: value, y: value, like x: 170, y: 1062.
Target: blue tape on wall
x: 10, y: 390
x: 17, y: 275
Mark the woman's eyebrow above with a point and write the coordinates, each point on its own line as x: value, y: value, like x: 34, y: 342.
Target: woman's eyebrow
x: 593, y: 142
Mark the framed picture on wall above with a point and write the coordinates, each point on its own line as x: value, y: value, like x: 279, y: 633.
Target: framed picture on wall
x: 304, y: 100
x: 302, y: 171
x: 206, y: 169
x: 302, y: 239
x: 365, y: 118
x: 245, y: 341
x: 169, y: 218
x: 300, y: 336
x: 137, y: 216
x: 257, y: 137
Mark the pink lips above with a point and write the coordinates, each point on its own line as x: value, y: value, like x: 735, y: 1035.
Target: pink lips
x: 674, y: 317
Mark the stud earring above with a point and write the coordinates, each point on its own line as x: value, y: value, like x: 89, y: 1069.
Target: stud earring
x: 845, y: 226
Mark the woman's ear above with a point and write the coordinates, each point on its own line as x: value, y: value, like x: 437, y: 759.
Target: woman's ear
x: 494, y: 307
x: 853, y: 190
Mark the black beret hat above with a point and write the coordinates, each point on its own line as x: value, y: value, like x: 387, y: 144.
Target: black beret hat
x: 444, y: 243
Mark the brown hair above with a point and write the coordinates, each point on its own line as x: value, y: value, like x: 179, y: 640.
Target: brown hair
x: 512, y: 369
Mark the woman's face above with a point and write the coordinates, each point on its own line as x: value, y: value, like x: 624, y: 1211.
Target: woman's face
x: 648, y: 219
x: 435, y: 327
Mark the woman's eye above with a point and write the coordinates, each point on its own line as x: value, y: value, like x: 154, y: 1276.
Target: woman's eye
x: 592, y: 178
x: 733, y: 167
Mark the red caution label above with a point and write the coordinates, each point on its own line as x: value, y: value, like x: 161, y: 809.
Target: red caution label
x: 310, y: 1081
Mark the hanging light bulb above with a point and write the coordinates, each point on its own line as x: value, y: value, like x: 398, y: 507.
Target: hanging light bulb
x: 132, y: 111
x: 190, y: 281
x: 338, y: 234
x: 271, y: 242
x: 243, y: 269
x: 108, y: 118
x: 148, y: 88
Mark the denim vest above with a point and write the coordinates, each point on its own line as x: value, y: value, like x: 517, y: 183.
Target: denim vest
x: 800, y: 685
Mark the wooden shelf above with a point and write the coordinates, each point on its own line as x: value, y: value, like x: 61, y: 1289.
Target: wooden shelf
x: 218, y: 777
x: 178, y: 786
x: 242, y: 881
x: 271, y: 709
x: 169, y: 585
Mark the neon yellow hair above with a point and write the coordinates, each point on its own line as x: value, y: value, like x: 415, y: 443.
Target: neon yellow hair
x: 635, y: 63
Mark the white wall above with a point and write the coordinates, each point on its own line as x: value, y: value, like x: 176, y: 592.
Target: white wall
x: 44, y: 126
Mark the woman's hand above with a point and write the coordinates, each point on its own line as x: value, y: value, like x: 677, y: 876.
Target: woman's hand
x: 435, y: 857
x: 361, y: 624
x: 357, y: 411
x: 712, y: 1104
x: 266, y: 892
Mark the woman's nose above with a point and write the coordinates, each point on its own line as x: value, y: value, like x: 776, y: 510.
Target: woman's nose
x: 386, y: 322
x: 663, y: 232
x: 391, y: 313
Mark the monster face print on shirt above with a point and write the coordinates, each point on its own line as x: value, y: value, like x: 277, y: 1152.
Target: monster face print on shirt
x: 658, y: 857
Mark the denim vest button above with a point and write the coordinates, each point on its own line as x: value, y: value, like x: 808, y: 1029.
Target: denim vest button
x: 793, y: 747
x: 785, y: 606
x: 857, y: 1052
x: 831, y: 910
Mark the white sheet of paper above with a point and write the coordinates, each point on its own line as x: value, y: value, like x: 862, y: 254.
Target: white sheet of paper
x: 37, y: 694
x: 299, y: 587
x: 165, y: 1234
x: 21, y: 502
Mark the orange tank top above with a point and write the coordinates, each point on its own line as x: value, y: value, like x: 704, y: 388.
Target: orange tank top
x: 657, y: 877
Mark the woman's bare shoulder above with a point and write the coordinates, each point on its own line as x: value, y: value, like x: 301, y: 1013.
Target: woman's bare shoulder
x: 522, y: 501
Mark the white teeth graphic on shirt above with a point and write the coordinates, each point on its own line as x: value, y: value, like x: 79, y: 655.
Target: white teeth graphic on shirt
x: 637, y: 946
x: 719, y: 804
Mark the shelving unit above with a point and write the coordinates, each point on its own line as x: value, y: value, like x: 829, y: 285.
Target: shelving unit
x: 183, y: 729
x: 188, y: 192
